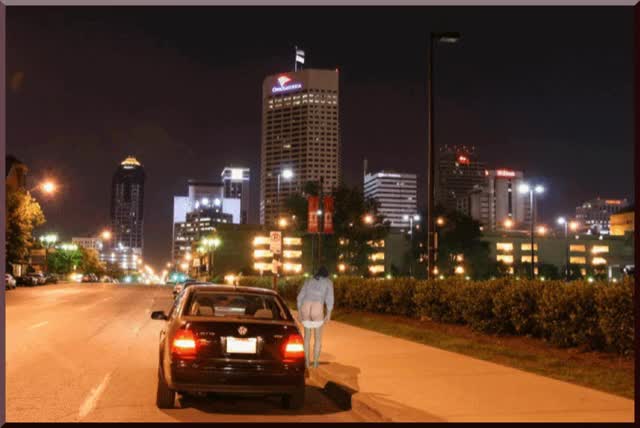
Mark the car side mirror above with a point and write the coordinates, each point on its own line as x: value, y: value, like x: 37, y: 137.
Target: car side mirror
x: 159, y: 315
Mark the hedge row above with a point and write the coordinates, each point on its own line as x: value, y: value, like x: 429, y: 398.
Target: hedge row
x: 594, y: 316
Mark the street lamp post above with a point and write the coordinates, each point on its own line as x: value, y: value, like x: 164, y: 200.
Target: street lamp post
x: 433, y: 39
x: 562, y: 221
x: 287, y: 174
x: 47, y: 242
x: 525, y: 188
x: 567, y: 225
x: 411, y: 218
x: 211, y: 244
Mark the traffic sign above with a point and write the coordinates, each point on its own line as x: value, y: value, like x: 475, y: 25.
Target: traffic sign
x: 275, y: 243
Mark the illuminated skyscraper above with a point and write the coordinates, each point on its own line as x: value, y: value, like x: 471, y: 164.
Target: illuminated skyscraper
x: 457, y: 172
x: 300, y: 133
x: 127, y: 203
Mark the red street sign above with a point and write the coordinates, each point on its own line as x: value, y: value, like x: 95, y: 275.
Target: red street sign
x: 314, y: 205
x: 328, y: 214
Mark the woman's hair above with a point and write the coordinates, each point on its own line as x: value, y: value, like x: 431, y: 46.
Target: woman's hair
x: 322, y: 273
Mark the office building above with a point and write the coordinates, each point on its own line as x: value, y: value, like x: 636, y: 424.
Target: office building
x: 622, y: 222
x: 590, y: 254
x: 88, y: 243
x: 497, y: 200
x: 300, y: 133
x: 127, y: 203
x: 229, y: 197
x: 235, y: 182
x: 593, y: 215
x: 198, y: 224
x: 457, y: 172
x: 396, y: 194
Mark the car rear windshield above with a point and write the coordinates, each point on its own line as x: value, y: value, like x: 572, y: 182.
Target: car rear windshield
x: 235, y: 305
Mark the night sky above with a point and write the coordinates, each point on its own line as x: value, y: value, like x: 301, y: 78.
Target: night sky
x: 544, y: 90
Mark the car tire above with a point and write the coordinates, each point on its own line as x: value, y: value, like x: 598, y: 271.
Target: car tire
x: 294, y: 401
x: 165, y: 398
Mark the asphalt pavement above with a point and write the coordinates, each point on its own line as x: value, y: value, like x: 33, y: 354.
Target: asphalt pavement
x: 89, y: 352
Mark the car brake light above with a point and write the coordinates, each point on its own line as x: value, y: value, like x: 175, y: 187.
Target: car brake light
x: 294, y: 347
x: 184, y: 343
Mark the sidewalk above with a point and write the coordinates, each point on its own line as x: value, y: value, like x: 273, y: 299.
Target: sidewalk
x: 391, y: 379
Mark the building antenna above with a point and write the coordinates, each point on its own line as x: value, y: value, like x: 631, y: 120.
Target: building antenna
x: 365, y: 167
x: 295, y: 58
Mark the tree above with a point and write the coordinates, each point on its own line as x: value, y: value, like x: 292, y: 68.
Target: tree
x: 64, y: 261
x: 352, y: 234
x: 91, y: 262
x: 23, y: 214
x: 458, y: 234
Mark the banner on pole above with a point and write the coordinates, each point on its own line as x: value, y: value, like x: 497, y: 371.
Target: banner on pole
x: 328, y: 214
x: 312, y: 219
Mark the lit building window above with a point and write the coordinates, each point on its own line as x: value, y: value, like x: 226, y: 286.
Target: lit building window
x: 261, y: 240
x: 577, y: 248
x: 505, y: 258
x: 292, y: 254
x: 262, y: 254
x: 527, y: 247
x: 292, y: 267
x: 598, y: 261
x: 504, y: 246
x: 376, y: 269
x: 377, y: 256
x: 577, y: 260
x: 599, y: 249
x: 527, y: 259
x: 292, y: 241
x: 261, y: 266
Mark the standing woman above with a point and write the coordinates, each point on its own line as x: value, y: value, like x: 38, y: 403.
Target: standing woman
x: 314, y: 294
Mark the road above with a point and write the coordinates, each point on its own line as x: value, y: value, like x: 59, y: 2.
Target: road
x: 88, y: 352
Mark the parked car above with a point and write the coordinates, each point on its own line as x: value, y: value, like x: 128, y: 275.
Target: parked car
x: 106, y: 278
x: 9, y: 282
x: 228, y: 339
x: 90, y: 277
x: 51, y: 278
x: 177, y: 289
x: 39, y: 277
x: 27, y: 280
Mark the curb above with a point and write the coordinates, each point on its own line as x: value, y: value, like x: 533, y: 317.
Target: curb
x: 347, y: 398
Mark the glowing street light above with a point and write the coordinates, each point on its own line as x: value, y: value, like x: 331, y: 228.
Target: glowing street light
x: 542, y: 230
x: 368, y: 219
x: 282, y: 222
x: 106, y: 235
x: 287, y: 174
x: 440, y: 221
x: 47, y: 187
x: 508, y: 223
x: 531, y: 189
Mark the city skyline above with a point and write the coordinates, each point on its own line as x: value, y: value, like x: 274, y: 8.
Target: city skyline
x: 514, y: 126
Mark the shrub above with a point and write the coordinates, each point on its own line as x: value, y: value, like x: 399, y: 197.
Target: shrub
x: 568, y: 316
x: 516, y: 304
x: 614, y: 305
x: 595, y: 316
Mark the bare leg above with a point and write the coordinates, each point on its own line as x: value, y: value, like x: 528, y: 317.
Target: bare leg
x: 307, y: 346
x: 317, y: 346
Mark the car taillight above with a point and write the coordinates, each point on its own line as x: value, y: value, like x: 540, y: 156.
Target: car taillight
x: 184, y: 344
x: 294, y: 347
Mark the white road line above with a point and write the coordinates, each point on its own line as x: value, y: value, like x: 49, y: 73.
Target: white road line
x: 40, y: 324
x: 92, y: 399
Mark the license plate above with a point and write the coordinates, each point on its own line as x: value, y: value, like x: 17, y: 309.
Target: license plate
x: 241, y: 345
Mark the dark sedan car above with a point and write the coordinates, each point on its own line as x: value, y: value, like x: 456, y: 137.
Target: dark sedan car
x: 227, y: 339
